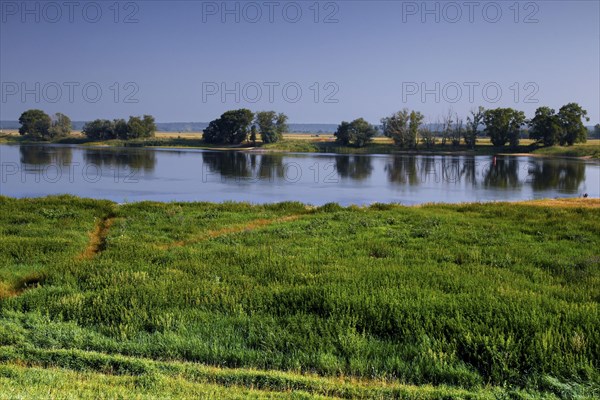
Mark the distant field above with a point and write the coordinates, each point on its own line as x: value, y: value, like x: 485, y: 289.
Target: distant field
x: 185, y: 300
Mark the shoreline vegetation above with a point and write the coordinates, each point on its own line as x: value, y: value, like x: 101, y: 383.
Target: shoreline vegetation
x: 232, y: 300
x: 404, y: 131
x: 321, y: 143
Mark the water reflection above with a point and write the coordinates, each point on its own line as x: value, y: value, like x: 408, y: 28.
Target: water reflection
x: 563, y: 175
x: 39, y: 155
x: 246, y: 166
x: 135, y: 159
x: 403, y: 169
x: 502, y: 173
x: 312, y: 178
x: 270, y: 166
x: 355, y: 167
x: 229, y: 164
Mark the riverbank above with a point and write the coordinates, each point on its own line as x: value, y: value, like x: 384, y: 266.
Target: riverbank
x: 324, y: 143
x: 184, y: 299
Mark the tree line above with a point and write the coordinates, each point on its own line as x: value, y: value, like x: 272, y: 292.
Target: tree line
x: 405, y: 127
x: 502, y: 125
x: 232, y: 127
x: 39, y: 125
x: 134, y: 128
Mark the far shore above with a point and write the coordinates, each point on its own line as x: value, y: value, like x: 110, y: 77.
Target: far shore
x: 324, y: 143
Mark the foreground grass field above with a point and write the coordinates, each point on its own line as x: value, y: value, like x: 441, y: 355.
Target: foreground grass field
x: 188, y: 300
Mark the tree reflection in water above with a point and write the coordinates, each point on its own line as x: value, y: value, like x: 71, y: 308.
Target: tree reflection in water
x: 245, y: 166
x: 230, y: 164
x: 134, y: 159
x: 564, y: 175
x: 355, y: 167
x: 34, y: 155
x: 503, y: 173
x: 403, y: 169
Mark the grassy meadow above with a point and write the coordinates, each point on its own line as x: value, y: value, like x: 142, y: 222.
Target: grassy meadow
x: 188, y: 300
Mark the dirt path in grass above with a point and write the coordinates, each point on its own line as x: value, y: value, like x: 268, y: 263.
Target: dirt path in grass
x: 228, y: 230
x: 98, y: 236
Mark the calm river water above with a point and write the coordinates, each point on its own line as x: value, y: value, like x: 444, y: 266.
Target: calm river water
x: 129, y: 174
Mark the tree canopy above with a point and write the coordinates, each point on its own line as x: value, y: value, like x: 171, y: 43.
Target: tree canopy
x: 35, y: 123
x: 61, y: 126
x: 271, y: 125
x: 136, y: 127
x: 357, y: 133
x: 503, y: 125
x: 571, y: 118
x: 231, y: 128
x: 39, y: 125
x: 403, y: 127
x: 545, y: 126
x: 564, y: 128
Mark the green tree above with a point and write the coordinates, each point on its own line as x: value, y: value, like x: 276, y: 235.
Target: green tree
x: 231, y: 128
x: 597, y: 131
x: 271, y: 125
x: 573, y: 130
x: 99, y: 129
x: 545, y: 126
x: 140, y: 127
x: 342, y: 135
x: 61, y: 126
x: 396, y: 127
x: 503, y: 125
x: 150, y: 125
x: 473, y: 123
x: 135, y: 128
x: 282, y: 126
x: 253, y: 132
x: 416, y: 119
x: 361, y: 132
x: 357, y: 133
x: 403, y: 127
x: 35, y: 123
x: 120, y: 129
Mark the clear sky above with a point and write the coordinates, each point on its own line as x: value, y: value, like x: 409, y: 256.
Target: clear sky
x: 350, y: 59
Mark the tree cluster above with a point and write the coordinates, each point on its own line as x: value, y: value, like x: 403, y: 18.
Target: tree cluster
x: 271, y: 125
x: 357, y: 133
x: 403, y: 127
x: 134, y: 128
x: 502, y: 125
x: 39, y: 125
x: 234, y: 126
x: 564, y: 128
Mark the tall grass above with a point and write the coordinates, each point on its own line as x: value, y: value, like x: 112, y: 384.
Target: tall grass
x: 465, y: 296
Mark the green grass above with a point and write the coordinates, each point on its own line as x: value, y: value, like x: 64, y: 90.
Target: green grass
x: 439, y: 301
x: 292, y: 145
x: 590, y: 149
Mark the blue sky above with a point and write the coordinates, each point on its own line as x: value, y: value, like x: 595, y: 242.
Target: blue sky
x: 372, y: 58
